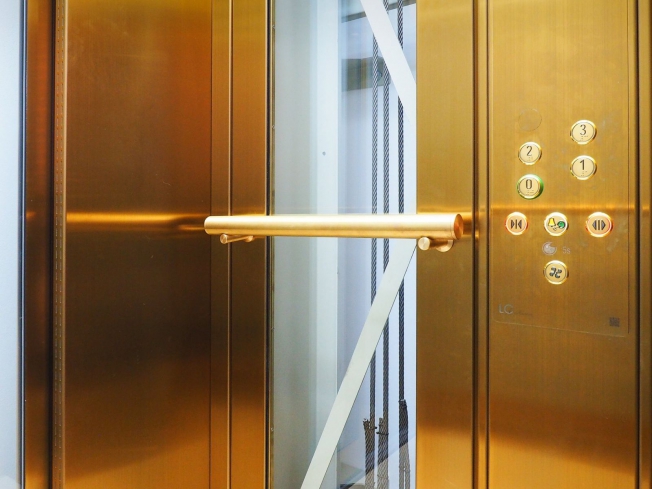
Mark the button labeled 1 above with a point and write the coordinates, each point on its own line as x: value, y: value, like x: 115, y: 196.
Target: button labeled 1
x: 583, y: 132
x: 530, y: 187
x: 599, y: 224
x: 516, y: 223
x: 529, y: 153
x: 583, y: 167
x: 555, y: 272
x: 556, y: 224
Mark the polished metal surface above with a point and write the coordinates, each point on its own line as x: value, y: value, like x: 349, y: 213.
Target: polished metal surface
x: 563, y: 358
x: 37, y: 259
x: 220, y: 441
x: 645, y: 284
x: 133, y: 176
x: 435, y: 226
x: 249, y: 264
x: 445, y: 315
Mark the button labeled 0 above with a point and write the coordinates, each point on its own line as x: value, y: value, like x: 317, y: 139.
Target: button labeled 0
x: 529, y: 187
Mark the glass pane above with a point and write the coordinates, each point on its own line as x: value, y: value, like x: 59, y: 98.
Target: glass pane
x: 327, y: 122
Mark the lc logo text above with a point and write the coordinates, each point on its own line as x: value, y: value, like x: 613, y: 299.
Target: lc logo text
x: 505, y: 309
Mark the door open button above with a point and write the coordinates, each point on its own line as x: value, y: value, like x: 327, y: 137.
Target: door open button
x: 599, y: 224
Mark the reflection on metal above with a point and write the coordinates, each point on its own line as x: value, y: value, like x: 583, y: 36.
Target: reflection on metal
x: 394, y: 56
x: 434, y: 227
x: 362, y: 355
x: 127, y: 221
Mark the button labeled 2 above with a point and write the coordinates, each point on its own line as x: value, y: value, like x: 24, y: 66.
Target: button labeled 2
x: 530, y: 187
x: 555, y: 272
x: 516, y: 223
x: 556, y: 224
x: 529, y: 153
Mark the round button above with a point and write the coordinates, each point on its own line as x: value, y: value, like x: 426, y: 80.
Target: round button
x: 529, y: 153
x: 599, y: 224
x: 555, y: 272
x: 583, y: 167
x: 556, y: 224
x: 583, y: 132
x: 530, y: 187
x: 516, y: 223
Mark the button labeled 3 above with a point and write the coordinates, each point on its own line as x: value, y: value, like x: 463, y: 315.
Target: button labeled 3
x: 583, y: 132
x: 556, y: 224
x: 516, y: 223
x: 529, y: 153
x: 530, y: 187
x: 599, y: 224
x: 555, y: 272
x: 583, y: 167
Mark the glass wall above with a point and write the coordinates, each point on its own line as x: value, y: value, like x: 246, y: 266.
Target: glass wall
x: 339, y: 146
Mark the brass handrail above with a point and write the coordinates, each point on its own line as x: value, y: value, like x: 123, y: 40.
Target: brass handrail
x: 437, y: 231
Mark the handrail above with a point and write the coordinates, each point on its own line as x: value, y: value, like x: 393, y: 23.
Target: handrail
x: 437, y: 231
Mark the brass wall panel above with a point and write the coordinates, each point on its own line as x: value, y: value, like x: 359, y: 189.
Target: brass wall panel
x: 563, y: 401
x: 645, y: 176
x: 37, y: 259
x: 136, y: 365
x: 249, y: 263
x: 220, y: 259
x: 445, y: 282
x: 482, y: 245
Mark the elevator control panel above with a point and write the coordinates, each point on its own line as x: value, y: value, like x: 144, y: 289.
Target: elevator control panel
x: 561, y: 170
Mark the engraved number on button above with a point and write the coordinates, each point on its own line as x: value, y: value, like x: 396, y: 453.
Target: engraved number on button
x: 529, y: 153
x: 583, y: 132
x: 530, y: 187
x: 583, y: 167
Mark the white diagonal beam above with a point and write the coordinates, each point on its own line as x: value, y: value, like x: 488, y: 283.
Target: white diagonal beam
x: 364, y: 351
x: 394, y: 56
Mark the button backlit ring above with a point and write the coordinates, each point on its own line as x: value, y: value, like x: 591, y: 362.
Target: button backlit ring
x: 529, y: 186
x: 516, y: 223
x: 556, y: 223
x: 599, y: 224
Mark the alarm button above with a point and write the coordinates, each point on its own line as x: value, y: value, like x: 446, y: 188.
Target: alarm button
x: 599, y: 224
x: 556, y: 224
x: 555, y: 272
x: 530, y: 187
x: 516, y: 223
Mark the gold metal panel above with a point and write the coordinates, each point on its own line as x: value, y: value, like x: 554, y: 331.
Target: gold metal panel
x: 136, y: 184
x: 563, y: 395
x: 445, y: 176
x: 249, y: 263
x: 645, y: 176
x: 545, y: 76
x: 37, y: 259
x: 220, y: 428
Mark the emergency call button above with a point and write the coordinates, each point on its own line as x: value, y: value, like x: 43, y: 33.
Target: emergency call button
x: 516, y: 223
x: 599, y: 224
x: 556, y: 224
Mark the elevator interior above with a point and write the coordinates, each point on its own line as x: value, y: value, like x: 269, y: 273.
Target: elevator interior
x: 156, y: 356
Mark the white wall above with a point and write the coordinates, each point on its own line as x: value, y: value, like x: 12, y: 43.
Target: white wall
x: 10, y: 211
